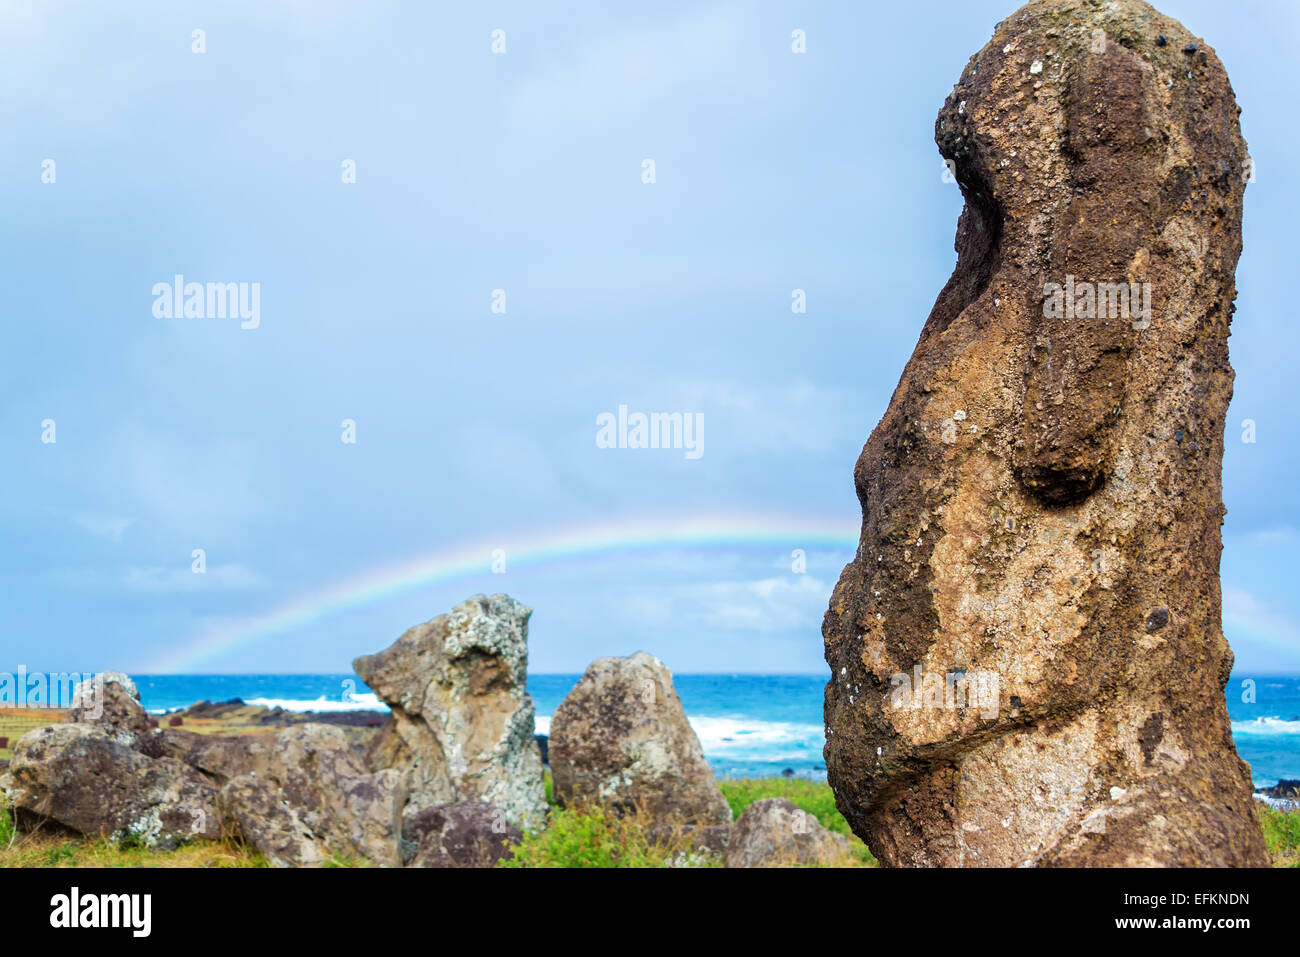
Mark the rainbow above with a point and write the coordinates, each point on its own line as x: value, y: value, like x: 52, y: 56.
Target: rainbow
x: 605, y: 538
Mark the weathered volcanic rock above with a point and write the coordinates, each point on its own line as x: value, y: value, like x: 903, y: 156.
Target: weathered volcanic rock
x: 84, y: 779
x: 1042, y: 499
x: 223, y: 757
x: 218, y: 757
x: 773, y: 832
x: 465, y: 834
x: 110, y: 701
x: 463, y: 724
x: 621, y: 738
x: 308, y: 797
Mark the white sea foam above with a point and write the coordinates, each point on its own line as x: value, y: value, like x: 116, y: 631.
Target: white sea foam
x: 737, y: 738
x: 1266, y: 726
x: 355, y: 702
x: 734, y: 736
x: 1277, y: 804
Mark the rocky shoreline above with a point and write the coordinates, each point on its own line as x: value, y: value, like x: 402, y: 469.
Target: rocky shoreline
x: 237, y: 711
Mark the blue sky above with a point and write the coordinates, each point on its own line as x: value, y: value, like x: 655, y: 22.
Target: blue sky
x: 522, y: 172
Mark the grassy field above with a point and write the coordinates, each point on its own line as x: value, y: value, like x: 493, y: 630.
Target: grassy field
x: 811, y: 796
x: 1282, y: 835
x: 15, y: 722
x: 593, y: 837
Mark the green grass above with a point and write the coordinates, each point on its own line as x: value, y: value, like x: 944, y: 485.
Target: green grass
x: 597, y: 837
x: 1282, y: 835
x: 815, y: 797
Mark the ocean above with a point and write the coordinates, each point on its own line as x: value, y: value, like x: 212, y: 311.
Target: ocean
x: 748, y: 725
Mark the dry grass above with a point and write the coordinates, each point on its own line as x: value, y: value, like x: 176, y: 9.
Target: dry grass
x: 15, y: 722
x: 49, y: 847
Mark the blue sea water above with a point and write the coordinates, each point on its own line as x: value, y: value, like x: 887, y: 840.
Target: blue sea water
x: 748, y: 725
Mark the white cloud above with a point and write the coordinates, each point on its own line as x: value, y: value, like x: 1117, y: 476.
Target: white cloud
x: 1243, y: 608
x: 1274, y: 535
x: 795, y: 417
x: 1258, y: 634
x: 831, y: 561
x: 618, y: 73
x: 498, y: 456
x: 763, y: 605
x: 181, y: 480
x: 231, y: 577
x: 103, y: 525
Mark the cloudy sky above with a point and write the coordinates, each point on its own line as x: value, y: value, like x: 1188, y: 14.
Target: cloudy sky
x: 475, y: 429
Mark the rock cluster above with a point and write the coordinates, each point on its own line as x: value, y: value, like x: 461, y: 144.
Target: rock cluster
x: 1027, y: 652
x: 452, y: 780
x: 463, y: 724
x: 773, y: 832
x: 86, y: 779
x: 621, y: 738
x: 461, y: 763
x: 310, y: 798
x: 112, y: 704
x: 463, y: 834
